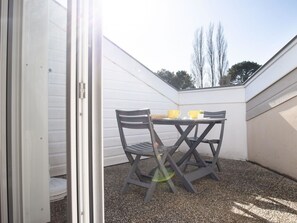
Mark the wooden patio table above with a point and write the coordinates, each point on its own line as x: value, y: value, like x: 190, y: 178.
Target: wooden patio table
x: 179, y: 166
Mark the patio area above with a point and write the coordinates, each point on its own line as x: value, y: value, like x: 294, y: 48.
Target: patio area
x: 246, y: 192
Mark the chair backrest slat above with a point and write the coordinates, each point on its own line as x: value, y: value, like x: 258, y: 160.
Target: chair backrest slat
x: 135, y: 125
x: 129, y: 119
x: 217, y: 114
x: 134, y: 112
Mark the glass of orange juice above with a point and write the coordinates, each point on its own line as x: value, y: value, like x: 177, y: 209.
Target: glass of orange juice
x: 194, y: 114
x: 173, y: 113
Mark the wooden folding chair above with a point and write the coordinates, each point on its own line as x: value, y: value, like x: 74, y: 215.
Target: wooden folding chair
x: 215, y: 144
x: 138, y: 120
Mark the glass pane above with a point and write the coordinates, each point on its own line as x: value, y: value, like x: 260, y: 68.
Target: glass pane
x: 57, y: 22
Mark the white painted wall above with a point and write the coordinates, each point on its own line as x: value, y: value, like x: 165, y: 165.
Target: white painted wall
x: 280, y: 65
x: 129, y: 85
x: 57, y: 88
x: 272, y: 138
x: 271, y: 113
x: 231, y: 99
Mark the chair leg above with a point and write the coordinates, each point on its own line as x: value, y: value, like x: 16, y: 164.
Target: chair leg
x: 214, y: 155
x: 152, y: 187
x: 171, y: 185
x: 130, y: 174
x: 137, y: 171
x: 150, y: 192
x: 166, y: 175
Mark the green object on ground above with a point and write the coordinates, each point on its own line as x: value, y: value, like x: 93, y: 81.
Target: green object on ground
x: 160, y: 178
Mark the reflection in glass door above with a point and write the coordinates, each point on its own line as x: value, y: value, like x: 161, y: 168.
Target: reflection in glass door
x: 57, y: 131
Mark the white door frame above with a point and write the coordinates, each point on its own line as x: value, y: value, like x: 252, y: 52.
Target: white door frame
x: 96, y: 120
x: 13, y: 110
x: 3, y: 70
x: 85, y: 98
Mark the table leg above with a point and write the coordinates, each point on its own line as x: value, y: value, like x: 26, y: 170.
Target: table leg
x: 204, y: 169
x: 183, y: 135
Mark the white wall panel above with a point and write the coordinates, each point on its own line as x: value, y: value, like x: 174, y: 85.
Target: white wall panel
x: 57, y: 124
x: 56, y: 90
x: 57, y: 113
x: 56, y: 79
x: 56, y: 147
x: 280, y: 65
x: 59, y: 160
x: 232, y: 100
x: 58, y: 66
x: 57, y: 136
x: 125, y: 62
x: 213, y: 96
x: 57, y: 102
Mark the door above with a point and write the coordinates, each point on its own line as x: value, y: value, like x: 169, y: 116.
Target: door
x: 26, y: 88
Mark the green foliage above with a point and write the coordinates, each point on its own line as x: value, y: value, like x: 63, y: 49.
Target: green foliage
x: 180, y: 80
x: 225, y: 80
x: 239, y: 73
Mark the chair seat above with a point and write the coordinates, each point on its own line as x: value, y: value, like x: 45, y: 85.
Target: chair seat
x: 146, y: 149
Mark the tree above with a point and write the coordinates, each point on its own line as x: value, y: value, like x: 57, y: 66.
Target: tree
x: 166, y: 76
x: 225, y: 80
x: 239, y: 73
x: 222, y: 62
x: 184, y: 80
x: 211, y: 54
x: 215, y: 52
x: 198, y: 59
x: 180, y: 80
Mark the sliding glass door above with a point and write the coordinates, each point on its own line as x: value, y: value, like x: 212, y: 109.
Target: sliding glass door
x: 51, y: 149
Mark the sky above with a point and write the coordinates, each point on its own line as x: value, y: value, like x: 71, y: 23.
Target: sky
x: 160, y: 33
